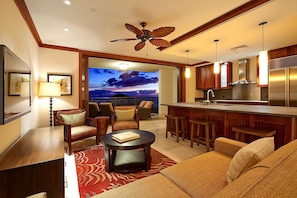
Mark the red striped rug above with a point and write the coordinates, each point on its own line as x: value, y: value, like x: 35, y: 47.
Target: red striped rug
x: 92, y: 178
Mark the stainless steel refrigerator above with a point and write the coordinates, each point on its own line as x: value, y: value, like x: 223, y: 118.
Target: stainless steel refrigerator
x: 282, y: 89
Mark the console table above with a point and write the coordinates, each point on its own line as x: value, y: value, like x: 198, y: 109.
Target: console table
x: 35, y: 163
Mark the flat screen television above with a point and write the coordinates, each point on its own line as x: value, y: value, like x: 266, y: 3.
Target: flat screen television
x: 15, y: 86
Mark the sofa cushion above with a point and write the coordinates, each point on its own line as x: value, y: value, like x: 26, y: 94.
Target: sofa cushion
x: 248, y: 156
x: 152, y: 186
x: 75, y: 119
x: 125, y: 115
x: 200, y: 176
x: 275, y: 176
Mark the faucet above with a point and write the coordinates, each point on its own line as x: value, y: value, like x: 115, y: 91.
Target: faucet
x: 207, y: 95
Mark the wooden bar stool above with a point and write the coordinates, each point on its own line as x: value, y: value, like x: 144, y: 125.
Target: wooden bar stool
x: 176, y: 126
x: 241, y: 131
x: 200, y: 139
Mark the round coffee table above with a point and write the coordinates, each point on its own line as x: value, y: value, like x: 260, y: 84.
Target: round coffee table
x: 129, y: 156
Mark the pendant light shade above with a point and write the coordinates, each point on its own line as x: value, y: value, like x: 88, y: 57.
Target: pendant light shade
x: 263, y: 61
x: 187, y: 73
x: 216, y: 69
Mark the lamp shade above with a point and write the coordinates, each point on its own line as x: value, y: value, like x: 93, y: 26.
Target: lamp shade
x: 49, y: 89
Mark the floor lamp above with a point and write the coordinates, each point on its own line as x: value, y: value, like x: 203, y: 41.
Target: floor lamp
x: 50, y: 90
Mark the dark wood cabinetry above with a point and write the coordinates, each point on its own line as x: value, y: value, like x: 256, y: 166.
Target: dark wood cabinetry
x: 206, y: 79
x: 34, y: 164
x: 223, y: 79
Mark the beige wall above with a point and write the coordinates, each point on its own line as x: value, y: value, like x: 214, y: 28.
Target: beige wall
x: 58, y: 62
x: 191, y: 85
x: 15, y: 34
x: 167, y: 88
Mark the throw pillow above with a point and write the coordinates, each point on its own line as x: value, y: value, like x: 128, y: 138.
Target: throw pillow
x: 76, y: 119
x: 125, y: 115
x: 248, y: 156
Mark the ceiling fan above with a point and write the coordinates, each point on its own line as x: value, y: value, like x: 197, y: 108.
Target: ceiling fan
x: 153, y: 36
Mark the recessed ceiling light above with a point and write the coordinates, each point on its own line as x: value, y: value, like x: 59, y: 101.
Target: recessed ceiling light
x: 66, y: 29
x: 67, y: 2
x: 123, y: 66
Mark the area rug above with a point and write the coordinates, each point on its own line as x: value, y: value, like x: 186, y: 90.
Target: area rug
x: 92, y: 178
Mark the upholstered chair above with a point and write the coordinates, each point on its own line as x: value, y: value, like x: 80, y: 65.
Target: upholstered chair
x: 106, y: 109
x: 141, y: 103
x: 125, y: 117
x: 145, y: 111
x: 77, y: 126
x: 94, y: 110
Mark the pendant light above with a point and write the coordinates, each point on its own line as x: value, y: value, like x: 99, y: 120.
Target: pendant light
x: 216, y: 69
x: 263, y: 61
x: 188, y: 73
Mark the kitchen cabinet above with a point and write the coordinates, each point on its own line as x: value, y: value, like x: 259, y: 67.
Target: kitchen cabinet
x: 223, y: 79
x: 205, y: 78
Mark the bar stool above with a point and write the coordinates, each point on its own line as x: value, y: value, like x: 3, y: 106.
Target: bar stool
x: 241, y: 131
x: 200, y: 139
x: 175, y: 125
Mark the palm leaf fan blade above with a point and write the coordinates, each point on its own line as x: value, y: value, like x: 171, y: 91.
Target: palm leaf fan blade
x: 160, y: 42
x: 124, y: 39
x: 162, y: 31
x: 139, y: 45
x: 134, y: 29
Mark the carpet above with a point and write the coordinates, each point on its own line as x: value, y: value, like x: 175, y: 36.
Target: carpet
x: 92, y: 178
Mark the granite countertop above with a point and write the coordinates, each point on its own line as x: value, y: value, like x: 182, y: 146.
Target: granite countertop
x: 241, y: 108
x: 242, y: 101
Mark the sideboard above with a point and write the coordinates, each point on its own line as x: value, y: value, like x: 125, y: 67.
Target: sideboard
x: 35, y: 163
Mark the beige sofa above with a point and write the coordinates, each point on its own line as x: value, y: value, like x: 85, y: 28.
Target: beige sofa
x: 205, y: 175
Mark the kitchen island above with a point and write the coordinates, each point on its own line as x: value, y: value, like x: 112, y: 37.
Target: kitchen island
x: 282, y: 119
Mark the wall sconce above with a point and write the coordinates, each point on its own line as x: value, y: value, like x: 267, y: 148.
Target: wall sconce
x: 216, y: 69
x: 263, y: 61
x: 188, y: 72
x: 50, y: 90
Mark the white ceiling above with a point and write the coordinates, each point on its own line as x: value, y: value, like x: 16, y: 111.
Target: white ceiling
x: 93, y: 23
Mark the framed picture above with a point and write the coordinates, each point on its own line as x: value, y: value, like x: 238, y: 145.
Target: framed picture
x: 64, y: 80
x: 15, y: 82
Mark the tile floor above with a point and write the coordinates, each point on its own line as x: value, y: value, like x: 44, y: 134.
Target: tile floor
x: 169, y: 147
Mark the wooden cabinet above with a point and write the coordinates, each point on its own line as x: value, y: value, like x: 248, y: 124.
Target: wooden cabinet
x: 223, y: 79
x: 205, y: 78
x: 34, y: 164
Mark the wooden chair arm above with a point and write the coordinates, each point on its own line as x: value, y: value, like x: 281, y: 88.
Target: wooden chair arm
x: 91, y: 121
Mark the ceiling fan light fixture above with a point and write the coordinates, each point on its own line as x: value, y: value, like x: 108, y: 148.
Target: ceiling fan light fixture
x: 154, y: 37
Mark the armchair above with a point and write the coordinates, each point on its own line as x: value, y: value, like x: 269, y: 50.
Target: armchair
x: 125, y: 117
x: 145, y: 111
x: 106, y: 109
x: 77, y: 126
x: 94, y: 110
x: 141, y: 103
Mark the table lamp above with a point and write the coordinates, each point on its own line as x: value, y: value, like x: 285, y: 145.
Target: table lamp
x: 49, y: 89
